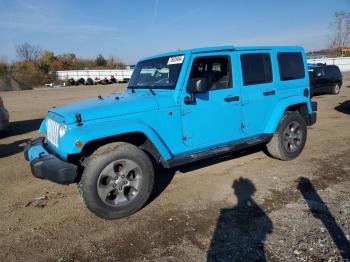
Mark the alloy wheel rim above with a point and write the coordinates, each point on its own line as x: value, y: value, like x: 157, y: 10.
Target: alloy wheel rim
x: 119, y: 182
x: 292, y: 136
x: 337, y: 89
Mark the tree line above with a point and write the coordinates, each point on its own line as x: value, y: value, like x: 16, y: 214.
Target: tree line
x: 35, y: 66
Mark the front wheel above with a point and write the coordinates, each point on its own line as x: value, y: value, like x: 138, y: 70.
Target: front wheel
x: 117, y: 181
x: 290, y: 137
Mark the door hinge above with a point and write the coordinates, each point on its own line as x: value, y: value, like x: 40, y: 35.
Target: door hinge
x: 243, y: 125
x: 184, y: 138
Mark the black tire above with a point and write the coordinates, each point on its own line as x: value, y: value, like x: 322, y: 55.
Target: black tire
x: 93, y: 182
x: 282, y: 146
x: 89, y: 81
x: 336, y: 89
x: 71, y: 82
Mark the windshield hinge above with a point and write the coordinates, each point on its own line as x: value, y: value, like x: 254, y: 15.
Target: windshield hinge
x: 78, y: 119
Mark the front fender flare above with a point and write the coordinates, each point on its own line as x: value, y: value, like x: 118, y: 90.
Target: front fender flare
x: 88, y: 133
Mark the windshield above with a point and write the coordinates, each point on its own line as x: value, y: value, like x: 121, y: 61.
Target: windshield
x: 161, y: 72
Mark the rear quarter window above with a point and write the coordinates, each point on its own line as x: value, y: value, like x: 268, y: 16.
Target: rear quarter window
x: 291, y: 65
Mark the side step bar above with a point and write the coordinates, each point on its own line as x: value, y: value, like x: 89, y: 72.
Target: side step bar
x: 213, y: 152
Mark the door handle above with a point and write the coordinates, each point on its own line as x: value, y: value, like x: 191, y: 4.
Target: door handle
x: 269, y: 93
x: 231, y: 99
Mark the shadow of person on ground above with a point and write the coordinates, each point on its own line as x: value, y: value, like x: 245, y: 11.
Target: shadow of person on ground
x: 320, y: 211
x: 343, y: 107
x: 21, y: 127
x: 12, y: 148
x: 241, y: 231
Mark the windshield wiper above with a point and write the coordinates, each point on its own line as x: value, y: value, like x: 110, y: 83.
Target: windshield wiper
x: 132, y: 89
x: 151, y: 90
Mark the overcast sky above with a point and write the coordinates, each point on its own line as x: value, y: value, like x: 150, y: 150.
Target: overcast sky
x: 132, y: 29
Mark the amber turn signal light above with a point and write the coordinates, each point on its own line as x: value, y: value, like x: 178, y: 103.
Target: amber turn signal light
x: 79, y: 144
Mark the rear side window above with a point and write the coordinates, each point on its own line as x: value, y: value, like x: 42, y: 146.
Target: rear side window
x: 256, y: 69
x: 291, y: 66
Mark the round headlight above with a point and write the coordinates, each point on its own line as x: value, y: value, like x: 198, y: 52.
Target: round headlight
x: 62, y: 129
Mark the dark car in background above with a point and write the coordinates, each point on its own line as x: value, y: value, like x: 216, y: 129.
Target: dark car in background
x: 4, y: 116
x: 325, y: 79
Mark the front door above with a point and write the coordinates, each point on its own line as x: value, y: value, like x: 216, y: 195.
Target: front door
x: 214, y: 116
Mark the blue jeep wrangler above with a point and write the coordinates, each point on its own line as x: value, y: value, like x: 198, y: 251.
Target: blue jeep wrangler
x: 178, y: 108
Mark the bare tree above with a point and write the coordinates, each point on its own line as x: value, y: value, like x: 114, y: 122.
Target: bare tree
x: 3, y: 66
x: 28, y: 52
x: 340, y: 30
x: 115, y: 62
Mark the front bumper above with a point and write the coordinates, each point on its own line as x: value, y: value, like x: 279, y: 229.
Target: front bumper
x: 4, y: 119
x: 46, y: 165
x: 4, y: 124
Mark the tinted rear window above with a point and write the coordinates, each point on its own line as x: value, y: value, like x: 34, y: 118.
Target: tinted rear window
x: 332, y: 71
x: 256, y: 69
x: 291, y: 66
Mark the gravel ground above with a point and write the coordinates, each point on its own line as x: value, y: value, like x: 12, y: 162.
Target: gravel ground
x: 241, y: 207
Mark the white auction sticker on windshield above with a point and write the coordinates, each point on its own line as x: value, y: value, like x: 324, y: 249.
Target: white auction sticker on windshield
x: 176, y: 60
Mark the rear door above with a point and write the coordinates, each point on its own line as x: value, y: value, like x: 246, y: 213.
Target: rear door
x: 259, y: 92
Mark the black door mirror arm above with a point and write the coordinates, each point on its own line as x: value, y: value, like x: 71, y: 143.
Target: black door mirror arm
x: 190, y: 99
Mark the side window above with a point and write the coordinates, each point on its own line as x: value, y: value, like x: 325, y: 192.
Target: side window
x: 216, y: 71
x: 256, y: 69
x: 291, y: 66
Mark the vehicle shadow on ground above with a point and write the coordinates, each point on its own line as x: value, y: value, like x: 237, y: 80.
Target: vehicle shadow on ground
x: 12, y: 148
x: 21, y: 127
x: 163, y: 177
x: 344, y: 107
x: 242, y: 230
x: 320, y: 211
x: 222, y: 158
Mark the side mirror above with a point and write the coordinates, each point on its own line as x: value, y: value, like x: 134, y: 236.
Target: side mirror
x: 197, y: 85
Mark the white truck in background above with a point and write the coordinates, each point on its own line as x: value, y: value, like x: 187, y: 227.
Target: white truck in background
x: 121, y: 75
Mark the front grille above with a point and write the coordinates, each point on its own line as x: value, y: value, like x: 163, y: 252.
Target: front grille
x: 52, y: 130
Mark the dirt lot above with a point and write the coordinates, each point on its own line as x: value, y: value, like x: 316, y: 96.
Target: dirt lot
x: 242, y: 207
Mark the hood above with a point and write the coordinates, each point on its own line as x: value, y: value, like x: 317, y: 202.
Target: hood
x: 108, y: 106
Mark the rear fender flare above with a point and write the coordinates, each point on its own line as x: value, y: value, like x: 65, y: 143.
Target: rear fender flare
x: 281, y: 107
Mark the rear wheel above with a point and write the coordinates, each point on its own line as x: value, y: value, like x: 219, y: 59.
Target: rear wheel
x: 289, y: 140
x: 117, y: 181
x: 336, y: 89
